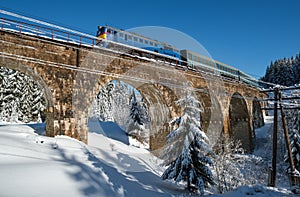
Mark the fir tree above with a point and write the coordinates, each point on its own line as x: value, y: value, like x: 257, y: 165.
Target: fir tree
x: 102, y: 106
x: 121, y: 100
x: 190, y: 144
x: 295, y: 144
x: 138, y: 119
x: 293, y: 121
x: 21, y: 98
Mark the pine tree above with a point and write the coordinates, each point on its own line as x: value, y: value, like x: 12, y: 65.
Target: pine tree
x: 102, y: 106
x: 190, y: 145
x: 138, y: 119
x: 121, y: 100
x: 293, y: 121
x: 295, y: 144
x: 21, y: 98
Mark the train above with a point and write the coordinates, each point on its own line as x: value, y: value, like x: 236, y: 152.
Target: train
x: 183, y: 57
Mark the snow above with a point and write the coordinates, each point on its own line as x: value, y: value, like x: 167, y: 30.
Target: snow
x: 35, y: 165
x: 41, y: 166
x: 257, y: 190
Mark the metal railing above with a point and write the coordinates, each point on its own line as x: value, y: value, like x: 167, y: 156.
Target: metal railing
x: 46, y: 32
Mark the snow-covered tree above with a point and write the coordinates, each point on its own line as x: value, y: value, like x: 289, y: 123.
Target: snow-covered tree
x: 187, y: 149
x: 138, y: 119
x: 22, y: 100
x: 295, y: 144
x: 102, y: 106
x: 121, y: 100
x: 226, y: 159
x: 293, y: 121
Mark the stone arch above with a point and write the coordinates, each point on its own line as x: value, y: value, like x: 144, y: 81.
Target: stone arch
x: 212, y: 112
x: 159, y: 100
x: 161, y: 108
x: 239, y: 121
x: 211, y: 117
x: 15, y: 65
x: 258, y: 119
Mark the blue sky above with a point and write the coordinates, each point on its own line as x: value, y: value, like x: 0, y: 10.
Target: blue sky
x: 247, y: 34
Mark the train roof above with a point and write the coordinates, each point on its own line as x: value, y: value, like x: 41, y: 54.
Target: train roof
x: 207, y: 58
x: 143, y: 37
x: 215, y: 61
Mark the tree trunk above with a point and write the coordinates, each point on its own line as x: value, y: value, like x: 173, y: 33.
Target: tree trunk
x: 188, y: 183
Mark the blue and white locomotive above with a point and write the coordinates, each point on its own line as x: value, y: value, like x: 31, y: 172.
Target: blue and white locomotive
x: 139, y: 41
x: 184, y: 57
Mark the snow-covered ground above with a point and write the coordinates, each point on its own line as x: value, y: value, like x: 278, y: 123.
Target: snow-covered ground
x: 35, y: 165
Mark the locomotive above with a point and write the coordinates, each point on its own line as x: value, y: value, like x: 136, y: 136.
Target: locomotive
x: 184, y: 57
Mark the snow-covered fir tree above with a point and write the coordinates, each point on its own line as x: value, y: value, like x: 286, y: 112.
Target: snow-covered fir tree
x: 102, y: 106
x: 293, y: 121
x: 22, y: 100
x: 295, y: 144
x: 187, y: 149
x: 121, y: 100
x: 138, y: 119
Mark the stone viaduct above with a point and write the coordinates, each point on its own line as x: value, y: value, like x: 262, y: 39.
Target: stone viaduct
x: 71, y: 75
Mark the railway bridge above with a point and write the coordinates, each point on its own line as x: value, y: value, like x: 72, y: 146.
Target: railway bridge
x: 72, y: 73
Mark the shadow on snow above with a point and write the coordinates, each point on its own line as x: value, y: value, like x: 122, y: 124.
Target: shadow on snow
x: 108, y: 129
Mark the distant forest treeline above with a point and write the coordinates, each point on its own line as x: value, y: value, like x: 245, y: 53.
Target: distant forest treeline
x: 284, y: 71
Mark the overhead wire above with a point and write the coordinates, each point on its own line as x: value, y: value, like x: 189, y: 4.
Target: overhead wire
x: 208, y: 76
x: 118, y: 76
x: 92, y: 71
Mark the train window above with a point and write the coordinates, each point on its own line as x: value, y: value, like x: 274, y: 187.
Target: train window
x: 195, y: 58
x: 135, y: 39
x: 121, y: 35
x: 125, y: 36
x: 189, y: 56
x: 155, y: 44
x: 151, y: 43
x: 129, y: 37
x: 146, y: 41
x: 141, y: 40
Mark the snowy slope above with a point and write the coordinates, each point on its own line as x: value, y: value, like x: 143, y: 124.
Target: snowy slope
x: 33, y: 165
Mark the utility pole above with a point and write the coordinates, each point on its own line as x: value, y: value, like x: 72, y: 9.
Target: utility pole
x: 272, y: 178
x: 291, y: 172
x: 294, y: 178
